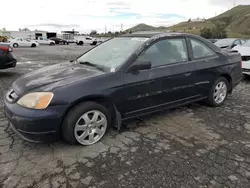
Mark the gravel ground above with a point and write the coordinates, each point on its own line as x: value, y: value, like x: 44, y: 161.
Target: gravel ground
x: 192, y: 146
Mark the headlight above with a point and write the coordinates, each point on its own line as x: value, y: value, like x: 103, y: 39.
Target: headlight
x: 37, y: 100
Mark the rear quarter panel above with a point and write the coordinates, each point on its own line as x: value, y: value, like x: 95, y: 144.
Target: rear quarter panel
x: 234, y: 65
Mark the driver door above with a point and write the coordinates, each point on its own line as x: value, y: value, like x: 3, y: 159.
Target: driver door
x: 169, y: 82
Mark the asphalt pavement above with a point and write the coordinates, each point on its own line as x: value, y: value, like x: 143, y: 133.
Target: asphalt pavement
x: 192, y: 146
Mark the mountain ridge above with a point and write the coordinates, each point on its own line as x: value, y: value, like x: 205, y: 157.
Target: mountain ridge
x: 236, y: 21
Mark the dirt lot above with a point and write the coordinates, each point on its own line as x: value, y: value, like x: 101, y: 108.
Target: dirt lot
x: 192, y: 146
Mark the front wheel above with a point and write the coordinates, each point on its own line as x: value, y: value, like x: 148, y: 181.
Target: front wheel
x: 86, y: 123
x: 33, y: 45
x: 219, y: 92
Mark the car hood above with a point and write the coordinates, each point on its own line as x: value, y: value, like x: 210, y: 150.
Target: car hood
x: 243, y: 50
x: 52, y: 77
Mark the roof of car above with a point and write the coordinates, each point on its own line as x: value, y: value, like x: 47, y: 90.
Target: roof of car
x: 155, y: 35
x: 150, y: 34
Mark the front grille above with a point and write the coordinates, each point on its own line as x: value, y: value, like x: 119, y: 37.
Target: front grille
x: 245, y: 58
x: 11, y: 95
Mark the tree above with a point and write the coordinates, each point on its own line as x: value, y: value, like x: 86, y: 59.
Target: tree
x: 219, y: 31
x: 109, y: 32
x: 206, y: 33
x: 93, y: 32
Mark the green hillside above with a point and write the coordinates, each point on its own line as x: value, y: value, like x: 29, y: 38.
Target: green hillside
x: 236, y: 20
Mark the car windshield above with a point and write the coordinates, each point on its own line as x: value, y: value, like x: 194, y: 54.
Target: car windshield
x: 247, y: 43
x: 224, y: 42
x: 113, y: 53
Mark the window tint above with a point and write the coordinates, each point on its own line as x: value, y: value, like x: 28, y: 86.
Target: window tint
x: 166, y: 52
x: 200, y: 50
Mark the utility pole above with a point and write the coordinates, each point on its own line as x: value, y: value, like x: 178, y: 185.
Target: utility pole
x: 234, y: 3
x: 121, y: 27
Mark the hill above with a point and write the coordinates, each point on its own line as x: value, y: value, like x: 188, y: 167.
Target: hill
x: 144, y: 27
x: 236, y: 20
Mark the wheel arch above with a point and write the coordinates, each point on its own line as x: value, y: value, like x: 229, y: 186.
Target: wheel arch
x: 229, y: 79
x: 101, y: 99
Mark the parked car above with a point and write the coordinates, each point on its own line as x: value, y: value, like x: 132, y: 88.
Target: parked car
x: 71, y: 41
x: 59, y: 40
x: 80, y: 40
x: 7, y: 58
x: 229, y: 42
x: 45, y: 41
x: 123, y: 78
x: 244, y: 50
x: 23, y: 42
x: 213, y: 40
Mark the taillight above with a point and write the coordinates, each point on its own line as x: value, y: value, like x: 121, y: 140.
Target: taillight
x: 5, y: 48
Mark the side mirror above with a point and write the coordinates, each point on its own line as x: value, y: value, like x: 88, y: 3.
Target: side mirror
x: 139, y: 65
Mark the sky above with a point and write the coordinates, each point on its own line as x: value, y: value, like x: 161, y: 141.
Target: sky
x: 87, y: 15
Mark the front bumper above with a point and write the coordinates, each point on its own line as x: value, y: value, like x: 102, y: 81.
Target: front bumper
x: 246, y: 71
x: 35, y: 125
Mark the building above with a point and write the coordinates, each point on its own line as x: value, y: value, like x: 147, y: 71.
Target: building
x: 26, y: 33
x: 69, y: 35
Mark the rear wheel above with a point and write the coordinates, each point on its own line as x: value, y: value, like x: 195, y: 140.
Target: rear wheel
x: 86, y: 123
x: 33, y: 45
x: 81, y: 43
x: 218, y: 92
x: 52, y: 44
x: 15, y: 45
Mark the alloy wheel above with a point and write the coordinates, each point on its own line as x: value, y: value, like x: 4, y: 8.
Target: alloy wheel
x: 90, y: 127
x: 220, y: 92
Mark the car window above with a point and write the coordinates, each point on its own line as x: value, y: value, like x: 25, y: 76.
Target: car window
x: 87, y: 38
x: 166, y: 52
x: 237, y: 42
x: 200, y: 50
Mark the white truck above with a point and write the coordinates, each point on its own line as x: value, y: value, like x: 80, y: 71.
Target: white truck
x: 45, y: 41
x: 80, y: 40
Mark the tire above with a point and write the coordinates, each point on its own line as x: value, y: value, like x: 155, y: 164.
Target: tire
x: 81, y: 43
x: 33, y: 45
x: 94, y: 43
x: 15, y: 45
x: 212, y: 99
x: 70, y: 133
x: 52, y: 44
x: 247, y: 77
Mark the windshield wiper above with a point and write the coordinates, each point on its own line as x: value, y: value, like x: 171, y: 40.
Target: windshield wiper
x: 93, y: 65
